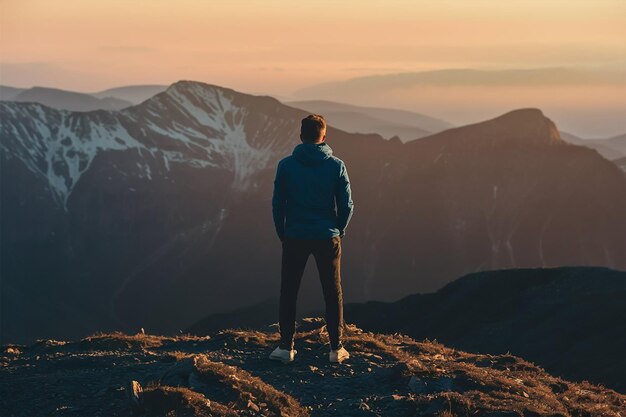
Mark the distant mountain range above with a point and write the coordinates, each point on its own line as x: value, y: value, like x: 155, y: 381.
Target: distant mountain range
x: 159, y: 213
x: 66, y: 100
x: 568, y: 320
x: 385, y: 122
x: 111, y: 99
x: 134, y: 94
x: 464, y: 76
x: 611, y: 148
x: 588, y: 102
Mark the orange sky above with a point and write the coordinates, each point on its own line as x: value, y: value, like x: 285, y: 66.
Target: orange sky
x: 278, y: 46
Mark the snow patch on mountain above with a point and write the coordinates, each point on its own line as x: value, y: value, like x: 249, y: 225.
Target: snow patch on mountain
x: 225, y: 117
x: 190, y: 123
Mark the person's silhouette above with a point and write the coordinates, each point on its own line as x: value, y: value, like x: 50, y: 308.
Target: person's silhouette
x: 311, y: 206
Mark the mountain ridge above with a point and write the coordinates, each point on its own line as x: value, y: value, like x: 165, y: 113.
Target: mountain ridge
x: 229, y: 374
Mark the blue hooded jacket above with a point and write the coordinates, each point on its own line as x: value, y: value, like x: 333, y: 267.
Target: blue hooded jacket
x: 312, y: 197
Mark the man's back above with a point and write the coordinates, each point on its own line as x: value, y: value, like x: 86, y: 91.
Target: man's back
x: 308, y: 185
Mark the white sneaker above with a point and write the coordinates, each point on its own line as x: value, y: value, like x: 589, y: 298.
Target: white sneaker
x: 283, y: 355
x: 338, y: 355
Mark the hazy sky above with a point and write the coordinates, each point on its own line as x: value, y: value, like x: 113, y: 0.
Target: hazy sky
x: 280, y: 46
x: 277, y: 46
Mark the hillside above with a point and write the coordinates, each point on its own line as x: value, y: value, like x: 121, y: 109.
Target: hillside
x: 611, y: 148
x: 229, y: 374
x: 568, y: 320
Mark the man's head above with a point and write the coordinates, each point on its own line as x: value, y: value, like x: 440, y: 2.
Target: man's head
x: 313, y: 129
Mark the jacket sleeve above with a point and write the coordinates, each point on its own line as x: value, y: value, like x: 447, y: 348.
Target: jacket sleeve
x: 279, y: 203
x: 343, y: 199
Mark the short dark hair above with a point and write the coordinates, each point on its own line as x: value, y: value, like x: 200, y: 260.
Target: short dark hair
x: 313, y: 127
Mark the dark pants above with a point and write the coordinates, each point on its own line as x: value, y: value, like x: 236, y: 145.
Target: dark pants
x: 327, y: 255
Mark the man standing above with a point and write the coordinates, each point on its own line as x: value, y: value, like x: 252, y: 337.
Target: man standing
x: 311, y: 206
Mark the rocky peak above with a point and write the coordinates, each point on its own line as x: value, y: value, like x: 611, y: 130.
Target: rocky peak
x: 521, y: 127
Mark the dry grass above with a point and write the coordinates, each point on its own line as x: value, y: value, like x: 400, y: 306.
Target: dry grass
x: 204, y: 376
x: 486, y: 383
x: 250, y: 388
x: 159, y: 400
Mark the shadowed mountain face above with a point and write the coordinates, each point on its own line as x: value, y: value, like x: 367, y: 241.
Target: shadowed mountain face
x: 568, y: 320
x: 229, y: 374
x: 158, y: 214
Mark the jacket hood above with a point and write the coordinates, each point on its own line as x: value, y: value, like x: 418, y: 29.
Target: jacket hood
x: 311, y: 154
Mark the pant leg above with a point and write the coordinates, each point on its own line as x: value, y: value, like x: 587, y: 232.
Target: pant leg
x: 294, y: 258
x: 328, y: 258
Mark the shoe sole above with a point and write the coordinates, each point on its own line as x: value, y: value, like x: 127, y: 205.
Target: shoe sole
x: 274, y: 358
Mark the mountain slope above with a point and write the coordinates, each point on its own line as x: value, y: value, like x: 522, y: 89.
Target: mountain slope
x: 229, y: 374
x: 160, y: 213
x: 568, y: 320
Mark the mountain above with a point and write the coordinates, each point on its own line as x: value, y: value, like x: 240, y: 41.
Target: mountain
x: 463, y: 95
x: 134, y: 94
x: 616, y: 143
x: 621, y: 162
x: 569, y: 320
x: 160, y: 213
x: 463, y: 77
x: 69, y: 100
x: 8, y: 93
x: 229, y: 374
x: 385, y: 122
x: 611, y: 148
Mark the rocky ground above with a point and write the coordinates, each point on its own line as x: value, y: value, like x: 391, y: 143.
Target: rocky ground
x: 229, y: 374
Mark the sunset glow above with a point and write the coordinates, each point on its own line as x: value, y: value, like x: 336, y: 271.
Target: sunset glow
x: 278, y: 46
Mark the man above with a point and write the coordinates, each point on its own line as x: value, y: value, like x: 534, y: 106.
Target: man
x: 308, y: 185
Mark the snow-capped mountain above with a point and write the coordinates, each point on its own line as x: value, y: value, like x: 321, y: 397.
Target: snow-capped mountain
x: 204, y: 127
x: 159, y: 214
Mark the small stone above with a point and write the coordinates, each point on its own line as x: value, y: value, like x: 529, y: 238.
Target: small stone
x: 134, y: 392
